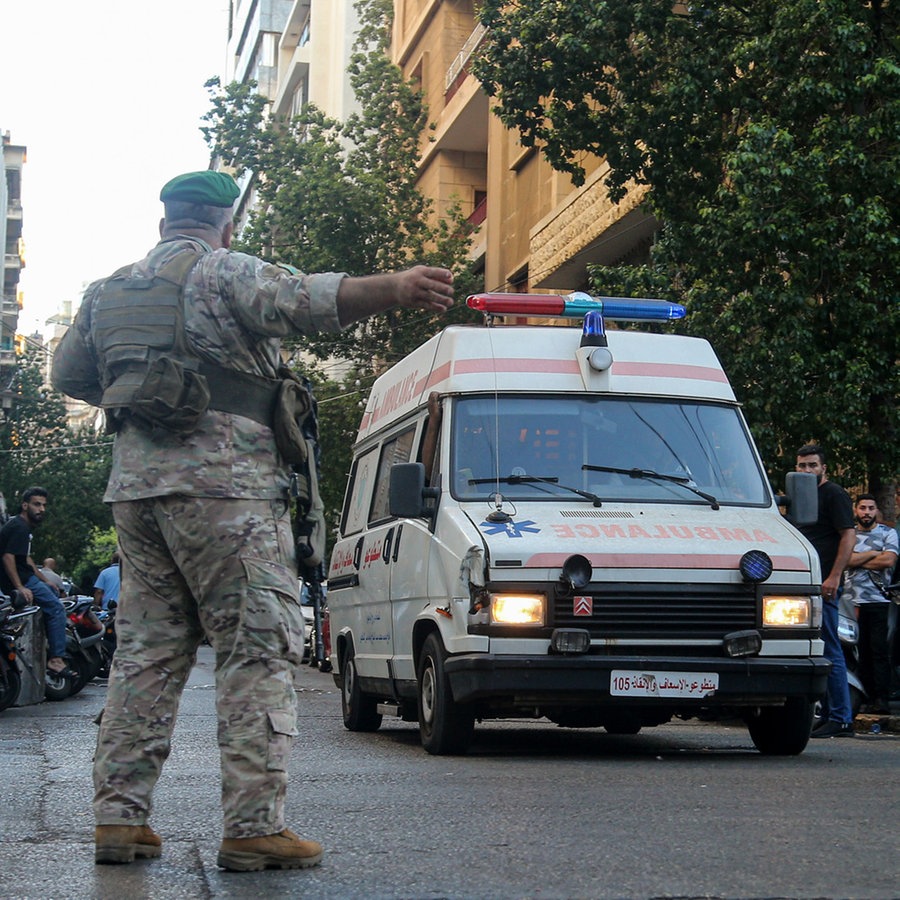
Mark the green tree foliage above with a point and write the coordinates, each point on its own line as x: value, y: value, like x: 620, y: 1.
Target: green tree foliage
x: 335, y: 196
x: 340, y: 410
x: 338, y: 196
x: 768, y: 134
x: 36, y: 448
x: 97, y: 554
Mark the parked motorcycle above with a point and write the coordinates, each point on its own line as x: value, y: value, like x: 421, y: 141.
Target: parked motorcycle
x: 848, y: 632
x: 107, y: 618
x: 84, y: 634
x: 313, y: 605
x: 14, y: 613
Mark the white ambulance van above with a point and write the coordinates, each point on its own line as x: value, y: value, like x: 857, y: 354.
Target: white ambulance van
x: 572, y: 524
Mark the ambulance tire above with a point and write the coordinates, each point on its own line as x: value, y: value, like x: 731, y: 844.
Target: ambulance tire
x: 782, y: 730
x: 445, y: 726
x: 360, y: 710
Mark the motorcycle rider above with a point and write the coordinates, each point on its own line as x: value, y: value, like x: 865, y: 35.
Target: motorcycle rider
x: 19, y: 573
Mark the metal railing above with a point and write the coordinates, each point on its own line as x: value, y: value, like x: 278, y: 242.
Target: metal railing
x: 459, y: 66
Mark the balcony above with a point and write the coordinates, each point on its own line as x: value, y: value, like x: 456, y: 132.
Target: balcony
x: 479, y: 214
x: 459, y: 68
x: 463, y: 122
x: 9, y: 308
x: 296, y: 29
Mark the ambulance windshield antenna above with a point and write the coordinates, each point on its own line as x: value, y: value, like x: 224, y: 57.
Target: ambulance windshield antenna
x: 497, y: 514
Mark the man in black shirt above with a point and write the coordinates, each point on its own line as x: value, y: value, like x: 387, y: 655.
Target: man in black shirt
x: 19, y: 573
x: 833, y: 537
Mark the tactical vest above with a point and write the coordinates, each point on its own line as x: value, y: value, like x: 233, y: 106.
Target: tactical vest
x: 148, y: 371
x: 151, y: 377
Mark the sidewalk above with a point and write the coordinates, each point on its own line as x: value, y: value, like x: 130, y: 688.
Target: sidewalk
x: 871, y: 723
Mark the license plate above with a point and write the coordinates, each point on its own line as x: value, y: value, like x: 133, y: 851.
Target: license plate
x: 624, y: 683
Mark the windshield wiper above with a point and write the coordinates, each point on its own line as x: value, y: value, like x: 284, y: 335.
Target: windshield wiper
x: 660, y: 476
x: 538, y: 479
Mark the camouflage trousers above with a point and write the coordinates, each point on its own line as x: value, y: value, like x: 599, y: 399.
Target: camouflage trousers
x: 191, y: 568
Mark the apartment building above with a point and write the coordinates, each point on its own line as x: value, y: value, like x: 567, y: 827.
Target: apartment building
x: 11, y: 163
x: 297, y: 51
x: 537, y: 230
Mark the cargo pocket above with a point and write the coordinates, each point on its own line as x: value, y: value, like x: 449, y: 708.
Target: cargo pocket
x: 282, y: 731
x: 271, y: 620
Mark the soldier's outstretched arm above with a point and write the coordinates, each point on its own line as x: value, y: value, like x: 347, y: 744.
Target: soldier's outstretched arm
x: 421, y: 287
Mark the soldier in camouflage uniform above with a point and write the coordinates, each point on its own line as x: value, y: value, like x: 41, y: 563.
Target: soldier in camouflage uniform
x: 204, y: 532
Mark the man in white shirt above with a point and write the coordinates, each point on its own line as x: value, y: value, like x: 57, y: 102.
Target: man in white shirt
x: 874, y: 557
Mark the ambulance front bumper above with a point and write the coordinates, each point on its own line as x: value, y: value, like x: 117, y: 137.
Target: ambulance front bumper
x: 607, y: 680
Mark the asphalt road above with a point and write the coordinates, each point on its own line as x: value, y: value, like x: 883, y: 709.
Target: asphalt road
x: 684, y: 810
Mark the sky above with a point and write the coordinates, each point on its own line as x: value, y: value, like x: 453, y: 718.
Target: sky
x: 107, y: 96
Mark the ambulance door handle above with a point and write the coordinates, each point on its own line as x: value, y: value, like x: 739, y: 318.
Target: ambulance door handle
x: 397, y: 543
x: 386, y: 548
x: 357, y: 554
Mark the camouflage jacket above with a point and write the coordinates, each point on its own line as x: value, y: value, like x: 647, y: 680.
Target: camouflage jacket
x: 237, y: 309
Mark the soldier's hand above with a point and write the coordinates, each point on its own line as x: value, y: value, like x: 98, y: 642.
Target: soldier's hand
x: 425, y: 287
x: 421, y: 287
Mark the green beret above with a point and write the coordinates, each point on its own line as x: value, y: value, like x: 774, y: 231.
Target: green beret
x: 208, y: 188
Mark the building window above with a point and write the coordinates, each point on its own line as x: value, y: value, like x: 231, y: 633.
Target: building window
x: 299, y: 98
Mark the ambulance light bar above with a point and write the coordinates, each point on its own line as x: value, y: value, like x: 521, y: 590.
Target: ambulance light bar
x: 575, y: 305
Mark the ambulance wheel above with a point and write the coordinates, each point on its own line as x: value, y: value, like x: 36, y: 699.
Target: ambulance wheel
x: 359, y: 709
x: 782, y: 730
x: 445, y: 726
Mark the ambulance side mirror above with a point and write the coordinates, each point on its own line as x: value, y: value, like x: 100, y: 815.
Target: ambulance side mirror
x: 408, y: 497
x: 802, y: 498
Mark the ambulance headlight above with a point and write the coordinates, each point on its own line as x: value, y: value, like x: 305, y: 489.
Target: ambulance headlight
x: 518, y: 609
x: 787, y: 612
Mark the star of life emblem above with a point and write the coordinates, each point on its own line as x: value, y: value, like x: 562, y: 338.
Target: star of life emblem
x: 510, y: 529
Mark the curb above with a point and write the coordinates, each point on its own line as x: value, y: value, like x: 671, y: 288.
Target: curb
x: 872, y: 723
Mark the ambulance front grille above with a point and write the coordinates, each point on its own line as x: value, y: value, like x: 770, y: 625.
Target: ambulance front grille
x: 660, y: 612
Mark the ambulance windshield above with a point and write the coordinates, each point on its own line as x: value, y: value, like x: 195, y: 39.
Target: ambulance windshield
x: 541, y: 447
